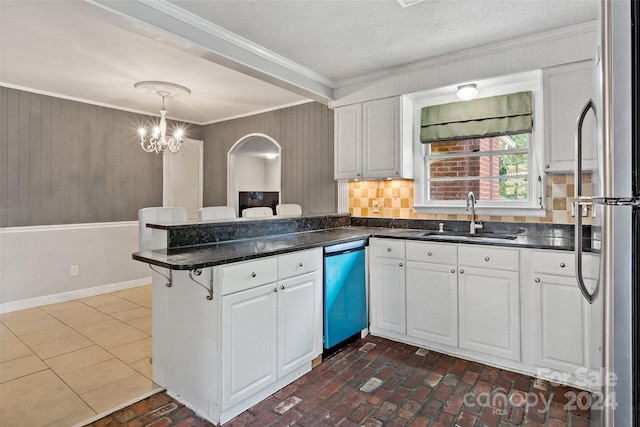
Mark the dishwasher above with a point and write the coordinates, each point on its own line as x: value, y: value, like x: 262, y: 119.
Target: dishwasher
x: 345, y: 294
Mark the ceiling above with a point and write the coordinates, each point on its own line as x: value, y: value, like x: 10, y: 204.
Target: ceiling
x: 243, y: 57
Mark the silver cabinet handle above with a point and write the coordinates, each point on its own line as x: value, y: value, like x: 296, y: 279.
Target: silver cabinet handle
x: 453, y: 270
x: 562, y: 265
x: 429, y: 254
x: 253, y: 274
x: 282, y: 287
x: 275, y: 289
x: 537, y: 280
x: 547, y: 166
x: 401, y: 264
x: 486, y: 258
x: 300, y: 265
x: 388, y: 249
x: 461, y: 271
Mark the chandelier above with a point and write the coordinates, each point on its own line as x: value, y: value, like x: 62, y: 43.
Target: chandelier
x: 158, y: 141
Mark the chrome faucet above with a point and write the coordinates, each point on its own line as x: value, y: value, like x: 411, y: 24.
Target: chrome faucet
x: 471, y: 204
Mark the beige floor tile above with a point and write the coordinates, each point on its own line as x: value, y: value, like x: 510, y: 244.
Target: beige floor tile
x: 10, y: 346
x: 100, y: 300
x: 61, y: 346
x: 21, y: 367
x: 30, y: 314
x: 31, y: 322
x: 53, y: 334
x: 122, y: 305
x: 143, y: 366
x: 78, y: 359
x: 134, y: 351
x: 76, y: 419
x: 119, y: 393
x: 37, y: 400
x: 143, y: 324
x: 136, y: 313
x: 140, y: 295
x: 52, y: 308
x: 81, y: 316
x: 112, y: 333
x: 96, y: 376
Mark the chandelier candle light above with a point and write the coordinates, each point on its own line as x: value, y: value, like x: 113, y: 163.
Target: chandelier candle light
x: 158, y: 142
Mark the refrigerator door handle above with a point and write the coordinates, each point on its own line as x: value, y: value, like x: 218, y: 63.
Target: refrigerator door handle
x: 578, y: 202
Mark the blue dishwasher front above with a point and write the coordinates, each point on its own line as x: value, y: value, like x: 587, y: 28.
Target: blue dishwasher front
x: 345, y: 295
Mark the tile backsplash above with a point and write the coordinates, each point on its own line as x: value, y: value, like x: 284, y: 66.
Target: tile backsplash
x: 395, y: 200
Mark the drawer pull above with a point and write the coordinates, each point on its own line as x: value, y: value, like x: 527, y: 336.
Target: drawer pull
x: 401, y: 264
x: 461, y: 271
x: 453, y: 270
x: 275, y: 289
x: 388, y: 249
x: 562, y: 265
x: 253, y: 274
x: 537, y: 280
x: 429, y: 253
x: 486, y: 258
x: 300, y: 265
x: 282, y: 287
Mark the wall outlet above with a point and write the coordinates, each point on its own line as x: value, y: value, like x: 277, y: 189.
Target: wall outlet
x: 375, y: 207
x: 74, y: 270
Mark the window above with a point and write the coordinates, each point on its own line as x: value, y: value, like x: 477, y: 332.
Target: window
x: 502, y: 170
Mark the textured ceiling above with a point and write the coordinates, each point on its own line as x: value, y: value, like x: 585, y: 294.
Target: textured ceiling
x: 343, y: 39
x: 76, y: 49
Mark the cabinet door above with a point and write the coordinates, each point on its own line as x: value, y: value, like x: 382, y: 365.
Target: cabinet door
x: 388, y: 295
x: 381, y: 138
x: 296, y: 322
x: 348, y: 142
x: 489, y: 311
x: 567, y: 88
x: 432, y: 302
x: 249, y: 329
x: 562, y: 323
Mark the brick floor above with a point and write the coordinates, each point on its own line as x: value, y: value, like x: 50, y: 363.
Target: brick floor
x: 377, y: 382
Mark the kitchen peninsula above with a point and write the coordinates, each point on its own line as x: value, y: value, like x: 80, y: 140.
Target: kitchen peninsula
x: 238, y: 304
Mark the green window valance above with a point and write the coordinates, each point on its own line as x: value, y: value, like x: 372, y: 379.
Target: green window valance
x: 496, y: 115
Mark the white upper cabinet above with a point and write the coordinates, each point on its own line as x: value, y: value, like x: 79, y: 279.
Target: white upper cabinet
x: 373, y: 140
x: 567, y: 89
x: 348, y: 142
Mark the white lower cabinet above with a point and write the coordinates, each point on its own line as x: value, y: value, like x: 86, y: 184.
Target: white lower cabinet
x: 432, y: 292
x: 388, y: 292
x: 261, y: 331
x: 296, y: 322
x: 249, y: 342
x: 565, y: 330
x: 490, y: 311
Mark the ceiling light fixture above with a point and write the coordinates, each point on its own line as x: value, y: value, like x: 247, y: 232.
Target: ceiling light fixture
x: 467, y: 92
x: 158, y: 142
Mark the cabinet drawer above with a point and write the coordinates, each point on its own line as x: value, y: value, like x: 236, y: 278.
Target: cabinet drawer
x: 437, y: 253
x: 297, y: 263
x: 246, y: 275
x: 388, y: 248
x: 489, y: 257
x: 563, y: 264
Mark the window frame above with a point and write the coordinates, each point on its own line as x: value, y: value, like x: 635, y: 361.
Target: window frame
x: 535, y: 205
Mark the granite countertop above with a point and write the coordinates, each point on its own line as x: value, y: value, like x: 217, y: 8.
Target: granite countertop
x: 202, y: 256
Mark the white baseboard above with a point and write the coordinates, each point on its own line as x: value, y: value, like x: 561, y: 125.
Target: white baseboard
x: 8, y: 307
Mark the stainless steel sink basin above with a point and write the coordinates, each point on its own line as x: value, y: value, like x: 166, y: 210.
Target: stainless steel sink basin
x: 465, y: 235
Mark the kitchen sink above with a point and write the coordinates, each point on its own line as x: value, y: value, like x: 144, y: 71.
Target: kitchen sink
x: 465, y: 235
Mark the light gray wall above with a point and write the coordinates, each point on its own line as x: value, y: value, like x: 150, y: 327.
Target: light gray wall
x: 64, y: 162
x: 305, y: 133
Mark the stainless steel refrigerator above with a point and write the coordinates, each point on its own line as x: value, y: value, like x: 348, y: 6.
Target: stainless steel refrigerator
x: 615, y: 232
